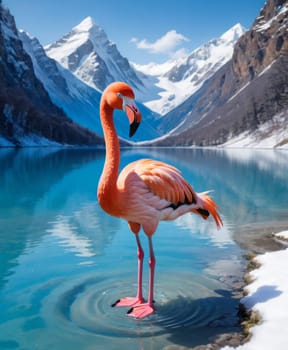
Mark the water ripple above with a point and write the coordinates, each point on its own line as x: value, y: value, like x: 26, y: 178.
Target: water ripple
x: 85, y: 304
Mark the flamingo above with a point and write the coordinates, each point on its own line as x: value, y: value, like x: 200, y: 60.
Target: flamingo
x: 145, y: 192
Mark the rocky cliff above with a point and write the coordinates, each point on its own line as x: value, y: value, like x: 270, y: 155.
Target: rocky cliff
x: 264, y: 43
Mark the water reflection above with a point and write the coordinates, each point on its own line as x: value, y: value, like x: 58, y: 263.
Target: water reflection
x: 63, y: 261
x: 69, y: 237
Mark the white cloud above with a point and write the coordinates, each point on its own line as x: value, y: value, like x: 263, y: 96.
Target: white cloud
x: 164, y: 45
x: 179, y: 53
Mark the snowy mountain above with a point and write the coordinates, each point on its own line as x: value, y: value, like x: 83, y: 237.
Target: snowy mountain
x: 246, y: 101
x: 92, y: 57
x: 27, y: 115
x: 79, y: 100
x: 179, y: 79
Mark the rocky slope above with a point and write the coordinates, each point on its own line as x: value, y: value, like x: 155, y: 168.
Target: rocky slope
x: 249, y: 91
x: 27, y: 114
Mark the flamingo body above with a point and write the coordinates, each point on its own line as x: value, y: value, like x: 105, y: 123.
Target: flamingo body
x: 145, y: 192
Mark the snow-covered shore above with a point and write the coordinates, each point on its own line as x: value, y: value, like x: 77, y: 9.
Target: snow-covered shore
x: 268, y: 297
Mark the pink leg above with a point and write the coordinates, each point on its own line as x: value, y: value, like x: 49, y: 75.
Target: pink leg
x: 144, y: 310
x: 132, y: 301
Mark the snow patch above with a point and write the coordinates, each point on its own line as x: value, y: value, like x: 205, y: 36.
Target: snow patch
x: 263, y: 25
x: 271, y: 134
x: 282, y: 235
x: 238, y: 92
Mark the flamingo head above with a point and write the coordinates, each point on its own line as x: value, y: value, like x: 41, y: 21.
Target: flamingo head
x: 120, y: 95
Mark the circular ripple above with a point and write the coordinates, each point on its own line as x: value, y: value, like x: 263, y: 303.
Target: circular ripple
x: 86, y: 305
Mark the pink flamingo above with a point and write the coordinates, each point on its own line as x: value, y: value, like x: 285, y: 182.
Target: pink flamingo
x: 145, y: 192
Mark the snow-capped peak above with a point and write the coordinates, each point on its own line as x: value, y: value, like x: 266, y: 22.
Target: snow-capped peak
x: 85, y: 25
x: 88, y: 29
x: 80, y: 41
x: 234, y: 33
x: 88, y: 53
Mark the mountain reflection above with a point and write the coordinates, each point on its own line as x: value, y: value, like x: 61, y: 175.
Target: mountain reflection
x: 38, y: 186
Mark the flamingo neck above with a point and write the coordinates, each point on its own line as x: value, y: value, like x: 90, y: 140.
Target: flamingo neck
x: 107, y: 189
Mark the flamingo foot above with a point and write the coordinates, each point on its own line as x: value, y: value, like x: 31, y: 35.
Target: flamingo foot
x: 128, y: 301
x: 141, y: 311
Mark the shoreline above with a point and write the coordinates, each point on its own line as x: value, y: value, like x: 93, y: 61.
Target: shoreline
x: 260, y: 238
x: 256, y: 245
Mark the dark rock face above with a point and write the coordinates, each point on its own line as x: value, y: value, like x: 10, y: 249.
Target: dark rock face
x: 264, y: 43
x: 245, y: 93
x: 26, y: 110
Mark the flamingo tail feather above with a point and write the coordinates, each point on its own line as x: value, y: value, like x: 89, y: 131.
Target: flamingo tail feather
x: 208, y: 206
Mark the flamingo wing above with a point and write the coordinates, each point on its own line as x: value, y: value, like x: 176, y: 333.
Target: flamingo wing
x: 163, y: 180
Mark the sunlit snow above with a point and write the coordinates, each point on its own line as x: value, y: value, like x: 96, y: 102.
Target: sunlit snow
x: 268, y: 296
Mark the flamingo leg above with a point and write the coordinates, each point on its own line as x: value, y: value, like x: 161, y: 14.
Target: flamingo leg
x: 132, y: 301
x: 146, y: 309
x: 140, y: 254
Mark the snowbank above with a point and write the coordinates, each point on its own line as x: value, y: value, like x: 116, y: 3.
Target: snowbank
x: 268, y: 296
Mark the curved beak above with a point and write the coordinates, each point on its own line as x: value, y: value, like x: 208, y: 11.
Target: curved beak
x: 133, y: 114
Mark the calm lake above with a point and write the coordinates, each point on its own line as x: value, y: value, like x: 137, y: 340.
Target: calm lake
x: 63, y: 261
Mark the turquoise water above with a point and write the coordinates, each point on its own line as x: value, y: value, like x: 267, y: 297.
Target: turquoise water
x: 63, y: 261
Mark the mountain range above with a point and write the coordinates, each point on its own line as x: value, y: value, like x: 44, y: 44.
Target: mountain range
x: 230, y: 91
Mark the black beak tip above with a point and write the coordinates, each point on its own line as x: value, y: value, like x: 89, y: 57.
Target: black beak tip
x: 133, y: 128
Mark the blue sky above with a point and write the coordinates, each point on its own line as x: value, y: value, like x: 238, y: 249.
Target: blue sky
x: 144, y: 31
